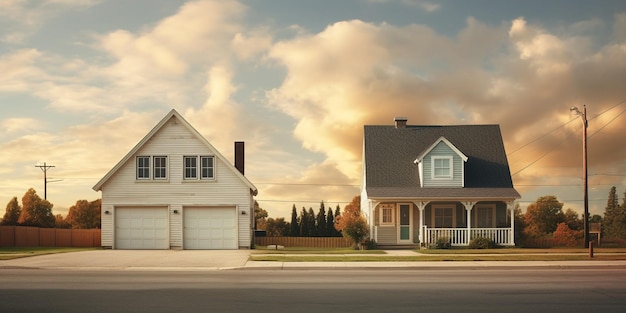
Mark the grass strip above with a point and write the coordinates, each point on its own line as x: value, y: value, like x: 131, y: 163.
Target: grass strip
x: 430, y: 258
x: 9, y: 253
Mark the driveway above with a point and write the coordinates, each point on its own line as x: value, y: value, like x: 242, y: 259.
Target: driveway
x: 135, y: 259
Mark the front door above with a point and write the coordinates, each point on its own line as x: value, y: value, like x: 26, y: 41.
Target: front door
x: 404, y: 231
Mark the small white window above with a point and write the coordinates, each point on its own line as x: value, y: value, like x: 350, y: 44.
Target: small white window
x: 191, y: 167
x: 160, y: 167
x: 442, y: 167
x: 207, y: 168
x: 386, y: 214
x: 143, y: 167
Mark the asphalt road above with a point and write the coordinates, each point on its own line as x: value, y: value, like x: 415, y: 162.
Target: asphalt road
x: 447, y: 290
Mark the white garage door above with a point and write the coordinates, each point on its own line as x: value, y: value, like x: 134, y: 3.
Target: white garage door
x: 210, y: 228
x: 141, y: 228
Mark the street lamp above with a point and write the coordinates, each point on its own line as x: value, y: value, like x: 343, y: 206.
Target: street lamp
x: 583, y: 116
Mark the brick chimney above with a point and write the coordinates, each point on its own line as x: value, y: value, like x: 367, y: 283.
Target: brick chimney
x: 400, y: 122
x: 239, y: 156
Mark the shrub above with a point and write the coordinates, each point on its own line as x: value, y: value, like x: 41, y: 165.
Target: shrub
x: 482, y: 243
x: 441, y: 243
x: 370, y: 244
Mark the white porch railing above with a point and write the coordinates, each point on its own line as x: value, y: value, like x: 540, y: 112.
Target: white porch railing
x: 459, y: 236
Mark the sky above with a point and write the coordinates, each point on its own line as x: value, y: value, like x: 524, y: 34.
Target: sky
x: 82, y: 81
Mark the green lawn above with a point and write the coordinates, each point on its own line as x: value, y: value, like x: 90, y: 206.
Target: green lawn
x: 9, y: 253
x: 301, y: 250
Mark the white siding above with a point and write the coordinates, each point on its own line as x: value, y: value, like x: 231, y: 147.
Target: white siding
x: 443, y: 149
x: 175, y: 141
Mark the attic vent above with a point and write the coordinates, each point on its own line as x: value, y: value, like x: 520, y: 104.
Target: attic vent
x: 400, y: 122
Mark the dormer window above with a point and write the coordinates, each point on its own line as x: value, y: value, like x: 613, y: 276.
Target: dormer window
x: 442, y: 167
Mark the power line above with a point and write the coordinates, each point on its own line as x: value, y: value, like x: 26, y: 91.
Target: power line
x: 45, y: 169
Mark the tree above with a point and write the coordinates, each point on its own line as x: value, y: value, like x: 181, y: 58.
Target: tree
x: 564, y: 236
x: 321, y: 221
x: 260, y: 216
x: 312, y: 227
x: 294, y: 228
x: 12, y: 214
x: 614, y: 225
x: 330, y: 224
x: 520, y: 223
x: 277, y: 227
x: 304, y: 223
x: 35, y: 211
x: 84, y: 214
x: 351, y: 222
x: 572, y: 219
x: 60, y: 222
x: 543, y: 216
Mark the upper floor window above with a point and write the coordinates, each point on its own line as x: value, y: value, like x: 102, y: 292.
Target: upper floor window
x: 151, y: 167
x: 143, y: 167
x: 203, y: 165
x: 442, y: 167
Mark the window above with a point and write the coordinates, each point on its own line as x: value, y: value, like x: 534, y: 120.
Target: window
x: 191, y: 167
x: 484, y: 216
x: 386, y: 214
x: 160, y: 167
x: 442, y: 167
x: 143, y: 167
x: 443, y: 217
x: 207, y: 167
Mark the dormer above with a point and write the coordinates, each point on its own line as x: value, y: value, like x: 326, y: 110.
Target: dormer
x: 441, y: 165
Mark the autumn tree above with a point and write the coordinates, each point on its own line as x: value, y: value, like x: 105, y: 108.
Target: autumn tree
x: 614, y: 222
x: 60, y: 222
x: 543, y: 216
x: 35, y: 211
x: 277, y: 227
x: 351, y: 222
x: 321, y: 221
x: 260, y: 216
x: 84, y: 214
x: 294, y: 228
x: 564, y: 236
x: 12, y: 214
x: 573, y: 220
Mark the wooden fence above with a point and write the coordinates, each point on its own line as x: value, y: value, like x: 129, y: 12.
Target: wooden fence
x: 22, y: 236
x: 312, y: 242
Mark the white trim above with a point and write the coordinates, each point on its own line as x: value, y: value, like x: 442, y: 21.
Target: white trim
x: 399, y: 231
x: 421, y: 157
x: 434, y: 208
x: 382, y: 208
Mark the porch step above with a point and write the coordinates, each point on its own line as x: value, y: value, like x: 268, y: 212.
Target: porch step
x: 399, y: 247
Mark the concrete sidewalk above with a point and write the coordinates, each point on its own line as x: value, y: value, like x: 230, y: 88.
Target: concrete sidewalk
x: 189, y: 260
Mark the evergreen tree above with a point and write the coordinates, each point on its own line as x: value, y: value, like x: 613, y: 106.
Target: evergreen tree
x: 35, y: 211
x: 294, y: 228
x: 311, y: 221
x: 337, y: 215
x: 330, y: 223
x: 321, y: 221
x: 614, y: 217
x: 304, y: 223
x: 12, y: 214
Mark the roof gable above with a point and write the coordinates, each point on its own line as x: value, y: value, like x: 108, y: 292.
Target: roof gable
x: 172, y: 114
x: 420, y: 158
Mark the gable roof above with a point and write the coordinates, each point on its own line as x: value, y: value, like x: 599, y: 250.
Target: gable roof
x: 391, y: 171
x: 420, y: 158
x: 156, y: 129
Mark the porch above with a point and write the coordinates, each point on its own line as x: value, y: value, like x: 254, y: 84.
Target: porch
x: 463, y: 236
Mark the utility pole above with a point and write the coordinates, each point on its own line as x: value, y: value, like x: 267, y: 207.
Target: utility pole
x: 583, y: 116
x: 45, y: 168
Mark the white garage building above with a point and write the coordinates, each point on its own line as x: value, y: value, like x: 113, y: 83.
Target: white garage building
x: 174, y: 190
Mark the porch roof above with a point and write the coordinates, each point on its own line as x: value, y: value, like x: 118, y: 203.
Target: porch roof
x: 442, y: 193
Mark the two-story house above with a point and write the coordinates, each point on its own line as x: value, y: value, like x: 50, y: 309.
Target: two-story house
x: 421, y: 183
x: 174, y: 190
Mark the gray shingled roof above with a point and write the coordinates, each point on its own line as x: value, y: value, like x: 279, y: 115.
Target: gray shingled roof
x: 391, y: 172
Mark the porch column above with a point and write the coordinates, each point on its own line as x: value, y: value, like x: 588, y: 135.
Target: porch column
x: 510, y: 205
x: 372, y: 218
x: 421, y: 205
x: 468, y: 207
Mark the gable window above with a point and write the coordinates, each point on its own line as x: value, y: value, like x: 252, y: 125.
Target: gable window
x: 442, y: 167
x: 191, y: 167
x: 386, y: 214
x: 160, y: 167
x: 143, y: 167
x: 202, y: 167
x: 207, y: 167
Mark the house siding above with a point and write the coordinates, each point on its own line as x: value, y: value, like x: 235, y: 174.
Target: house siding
x: 442, y: 149
x: 175, y: 141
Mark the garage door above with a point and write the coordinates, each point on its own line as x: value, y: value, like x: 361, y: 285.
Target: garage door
x: 141, y: 228
x: 210, y: 228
